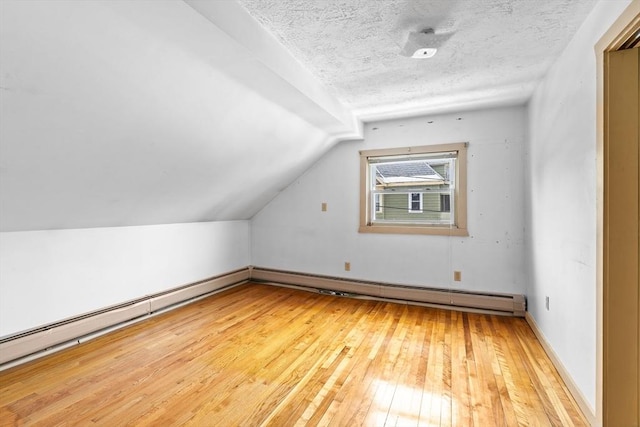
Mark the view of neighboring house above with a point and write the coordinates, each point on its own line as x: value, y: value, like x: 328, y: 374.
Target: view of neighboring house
x: 414, y: 191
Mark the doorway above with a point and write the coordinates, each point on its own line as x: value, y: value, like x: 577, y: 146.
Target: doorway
x: 618, y: 229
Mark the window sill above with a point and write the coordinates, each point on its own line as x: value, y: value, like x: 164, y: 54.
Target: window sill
x: 414, y: 229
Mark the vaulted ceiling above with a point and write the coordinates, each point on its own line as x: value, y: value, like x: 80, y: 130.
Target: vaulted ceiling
x: 118, y: 113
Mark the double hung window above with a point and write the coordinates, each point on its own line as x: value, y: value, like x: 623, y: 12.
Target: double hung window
x: 414, y: 190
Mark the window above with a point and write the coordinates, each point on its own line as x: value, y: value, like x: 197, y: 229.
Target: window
x: 379, y: 202
x: 415, y: 202
x: 445, y: 203
x: 423, y: 189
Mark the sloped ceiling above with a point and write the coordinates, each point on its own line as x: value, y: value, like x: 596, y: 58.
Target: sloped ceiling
x: 118, y: 113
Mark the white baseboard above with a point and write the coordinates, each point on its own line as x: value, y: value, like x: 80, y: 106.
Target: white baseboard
x: 587, y: 410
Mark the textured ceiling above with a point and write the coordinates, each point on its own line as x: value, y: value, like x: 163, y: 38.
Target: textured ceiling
x: 498, y: 49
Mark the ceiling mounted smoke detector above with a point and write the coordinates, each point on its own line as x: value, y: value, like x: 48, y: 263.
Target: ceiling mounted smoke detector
x: 426, y: 52
x: 423, y: 44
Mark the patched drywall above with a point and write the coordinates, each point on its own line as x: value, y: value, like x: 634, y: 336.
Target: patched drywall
x: 48, y: 276
x: 293, y: 233
x: 561, y: 202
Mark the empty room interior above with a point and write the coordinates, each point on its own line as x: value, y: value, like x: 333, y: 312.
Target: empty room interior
x: 319, y: 212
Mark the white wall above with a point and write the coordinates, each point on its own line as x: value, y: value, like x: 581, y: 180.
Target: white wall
x: 292, y: 233
x: 46, y: 276
x: 125, y: 113
x: 561, y: 201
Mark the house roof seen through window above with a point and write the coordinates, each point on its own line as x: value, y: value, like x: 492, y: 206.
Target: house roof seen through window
x: 406, y: 172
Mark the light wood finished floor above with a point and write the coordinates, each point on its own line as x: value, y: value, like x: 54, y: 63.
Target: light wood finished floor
x: 263, y: 355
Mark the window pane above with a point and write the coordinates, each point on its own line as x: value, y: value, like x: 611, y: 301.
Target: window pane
x: 445, y: 203
x: 421, y: 182
x: 415, y: 205
x: 378, y: 201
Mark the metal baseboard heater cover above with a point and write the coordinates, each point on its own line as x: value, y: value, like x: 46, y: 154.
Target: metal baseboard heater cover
x: 57, y: 334
x: 510, y: 304
x: 39, y: 339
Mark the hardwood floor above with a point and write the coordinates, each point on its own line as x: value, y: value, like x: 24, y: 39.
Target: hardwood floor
x: 262, y: 355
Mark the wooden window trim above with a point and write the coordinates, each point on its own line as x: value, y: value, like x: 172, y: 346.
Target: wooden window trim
x: 460, y: 194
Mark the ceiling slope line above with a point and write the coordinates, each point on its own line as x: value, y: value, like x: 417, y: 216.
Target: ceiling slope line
x: 277, y: 75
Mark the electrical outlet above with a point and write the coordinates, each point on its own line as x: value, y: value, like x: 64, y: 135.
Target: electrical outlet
x: 324, y: 206
x: 546, y: 303
x: 457, y: 276
x: 347, y: 266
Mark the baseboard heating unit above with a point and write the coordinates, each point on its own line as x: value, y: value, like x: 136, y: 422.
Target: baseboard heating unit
x: 505, y: 304
x: 20, y: 347
x: 78, y: 328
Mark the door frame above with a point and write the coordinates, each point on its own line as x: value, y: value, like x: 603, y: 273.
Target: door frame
x: 612, y: 39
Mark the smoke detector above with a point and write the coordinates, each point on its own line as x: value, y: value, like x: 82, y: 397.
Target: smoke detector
x: 425, y: 52
x: 423, y: 44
